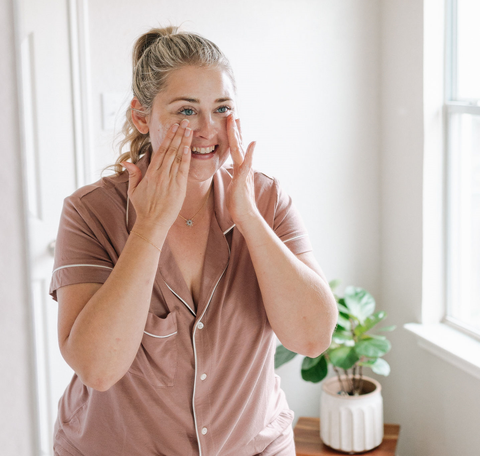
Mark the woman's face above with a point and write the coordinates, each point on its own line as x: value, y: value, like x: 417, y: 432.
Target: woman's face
x: 204, y: 96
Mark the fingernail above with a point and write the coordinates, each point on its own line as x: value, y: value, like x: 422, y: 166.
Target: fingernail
x: 187, y: 132
x: 184, y: 123
x: 186, y: 149
x: 175, y: 127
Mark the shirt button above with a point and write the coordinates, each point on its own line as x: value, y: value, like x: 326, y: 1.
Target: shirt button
x: 200, y: 325
x: 204, y: 376
x: 204, y: 431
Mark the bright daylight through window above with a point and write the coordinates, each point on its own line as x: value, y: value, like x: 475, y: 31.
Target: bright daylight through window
x: 463, y: 165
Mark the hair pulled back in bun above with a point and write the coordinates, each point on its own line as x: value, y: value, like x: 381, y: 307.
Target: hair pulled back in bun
x: 155, y: 55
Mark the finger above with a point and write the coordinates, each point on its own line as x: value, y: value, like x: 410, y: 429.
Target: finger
x: 233, y: 142
x: 175, y: 145
x: 184, y: 164
x: 238, y: 135
x: 157, y: 158
x: 172, y: 160
x: 248, y: 160
x: 134, y: 176
x: 239, y: 127
x: 180, y: 156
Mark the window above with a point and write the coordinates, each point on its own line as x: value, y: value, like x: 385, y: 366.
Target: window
x: 462, y: 126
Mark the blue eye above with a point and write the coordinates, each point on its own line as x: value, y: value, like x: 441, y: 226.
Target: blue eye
x: 187, y: 112
x: 226, y: 108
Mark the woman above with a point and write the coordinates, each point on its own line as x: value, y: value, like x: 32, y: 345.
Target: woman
x: 172, y: 280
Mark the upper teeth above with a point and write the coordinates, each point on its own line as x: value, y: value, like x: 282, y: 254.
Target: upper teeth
x: 203, y: 150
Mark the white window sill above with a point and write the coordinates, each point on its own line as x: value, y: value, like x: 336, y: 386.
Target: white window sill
x: 449, y: 344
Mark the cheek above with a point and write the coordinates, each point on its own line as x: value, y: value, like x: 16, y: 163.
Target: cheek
x: 222, y: 131
x: 158, y: 133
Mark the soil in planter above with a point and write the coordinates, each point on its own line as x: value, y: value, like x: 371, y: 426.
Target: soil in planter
x: 367, y: 388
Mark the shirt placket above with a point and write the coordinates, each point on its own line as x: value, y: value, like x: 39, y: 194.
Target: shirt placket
x: 216, y: 263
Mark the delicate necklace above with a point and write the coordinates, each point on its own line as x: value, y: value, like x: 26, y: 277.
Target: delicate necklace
x: 189, y: 222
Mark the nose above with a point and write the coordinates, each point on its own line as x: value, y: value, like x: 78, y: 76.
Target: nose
x: 205, y: 127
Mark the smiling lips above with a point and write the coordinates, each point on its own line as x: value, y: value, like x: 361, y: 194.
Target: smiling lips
x: 203, y: 150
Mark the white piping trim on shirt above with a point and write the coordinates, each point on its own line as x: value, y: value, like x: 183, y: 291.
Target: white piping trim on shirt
x: 296, y: 237
x: 189, y: 308
x: 73, y: 265
x: 195, y: 352
x: 126, y: 213
x: 225, y: 232
x: 153, y: 335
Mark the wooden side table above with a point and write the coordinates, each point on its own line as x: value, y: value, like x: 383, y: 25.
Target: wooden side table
x: 308, y: 442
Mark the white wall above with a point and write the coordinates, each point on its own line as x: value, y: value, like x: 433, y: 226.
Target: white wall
x: 16, y: 390
x: 308, y: 87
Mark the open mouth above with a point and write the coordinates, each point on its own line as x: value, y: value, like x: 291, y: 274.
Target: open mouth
x: 204, y: 150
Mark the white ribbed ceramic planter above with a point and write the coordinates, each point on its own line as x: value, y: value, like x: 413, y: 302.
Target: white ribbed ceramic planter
x: 351, y: 423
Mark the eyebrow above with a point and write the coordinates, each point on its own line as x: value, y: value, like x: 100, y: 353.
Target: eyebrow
x: 196, y: 100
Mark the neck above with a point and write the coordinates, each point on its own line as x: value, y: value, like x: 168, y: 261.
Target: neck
x: 195, y: 198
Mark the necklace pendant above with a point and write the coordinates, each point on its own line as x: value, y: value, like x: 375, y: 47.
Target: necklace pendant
x: 189, y: 222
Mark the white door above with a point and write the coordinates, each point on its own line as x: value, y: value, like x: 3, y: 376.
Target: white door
x: 54, y: 168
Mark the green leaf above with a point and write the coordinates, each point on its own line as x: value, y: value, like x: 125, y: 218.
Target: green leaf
x: 368, y: 362
x: 283, y: 355
x: 343, y: 309
x: 387, y: 328
x: 314, y: 369
x: 343, y: 357
x: 372, y: 347
x: 341, y: 337
x: 381, y: 367
x: 378, y: 365
x: 360, y: 303
x: 308, y: 362
x: 344, y: 322
x: 334, y: 284
x: 370, y: 322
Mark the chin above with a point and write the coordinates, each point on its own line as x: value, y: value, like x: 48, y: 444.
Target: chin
x: 202, y: 170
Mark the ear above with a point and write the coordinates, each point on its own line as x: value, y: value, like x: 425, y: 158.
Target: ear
x: 139, y: 119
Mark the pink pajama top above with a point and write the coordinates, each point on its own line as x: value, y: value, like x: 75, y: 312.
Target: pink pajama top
x: 203, y: 380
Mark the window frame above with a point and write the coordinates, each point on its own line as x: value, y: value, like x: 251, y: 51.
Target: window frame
x: 452, y: 106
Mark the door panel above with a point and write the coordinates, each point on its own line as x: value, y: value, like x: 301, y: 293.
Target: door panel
x: 50, y: 171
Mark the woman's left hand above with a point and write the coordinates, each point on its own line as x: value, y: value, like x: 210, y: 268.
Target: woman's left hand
x: 240, y: 197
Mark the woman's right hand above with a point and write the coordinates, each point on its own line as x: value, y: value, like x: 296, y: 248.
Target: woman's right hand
x: 159, y: 195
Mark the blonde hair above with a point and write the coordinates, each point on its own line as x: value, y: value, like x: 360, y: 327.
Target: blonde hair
x: 155, y: 55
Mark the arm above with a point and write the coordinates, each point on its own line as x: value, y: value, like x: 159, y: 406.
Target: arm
x: 99, y: 334
x: 298, y: 301
x: 101, y: 328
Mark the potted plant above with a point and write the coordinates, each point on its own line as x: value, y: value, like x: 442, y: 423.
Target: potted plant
x: 351, y: 411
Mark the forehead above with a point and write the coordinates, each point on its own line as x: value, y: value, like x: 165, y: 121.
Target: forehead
x: 203, y: 83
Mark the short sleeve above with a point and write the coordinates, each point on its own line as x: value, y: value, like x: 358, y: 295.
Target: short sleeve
x: 288, y: 224
x: 79, y: 256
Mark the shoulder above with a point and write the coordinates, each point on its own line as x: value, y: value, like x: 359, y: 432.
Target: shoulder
x: 264, y: 183
x: 100, y: 195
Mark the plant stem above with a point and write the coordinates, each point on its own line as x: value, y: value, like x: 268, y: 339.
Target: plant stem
x: 354, y: 370
x: 355, y: 339
x: 343, y: 391
x: 350, y: 388
x: 361, y: 381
